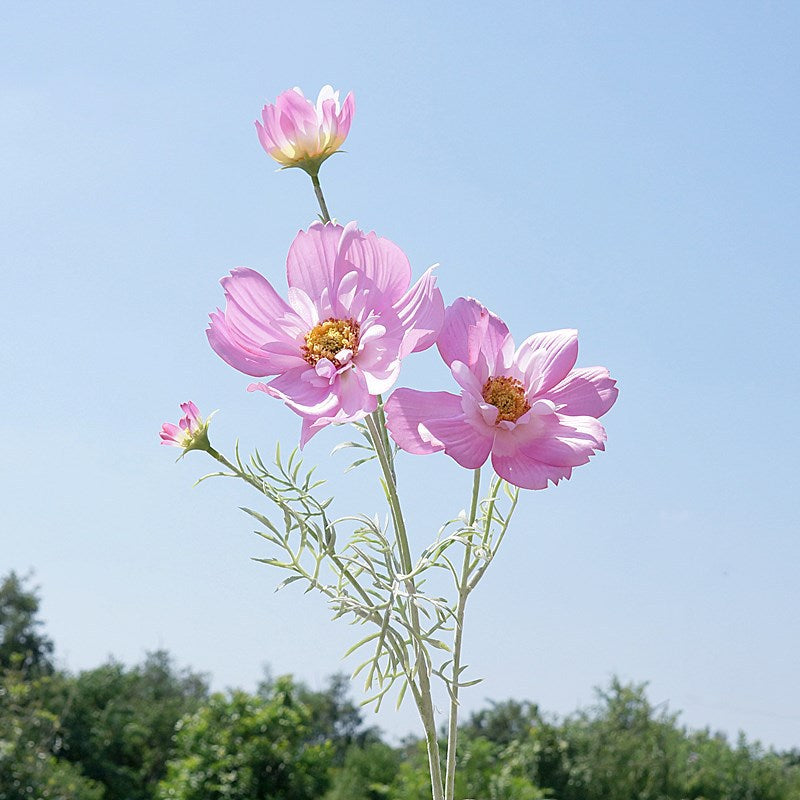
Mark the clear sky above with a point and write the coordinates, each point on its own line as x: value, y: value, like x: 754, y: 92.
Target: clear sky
x: 629, y: 169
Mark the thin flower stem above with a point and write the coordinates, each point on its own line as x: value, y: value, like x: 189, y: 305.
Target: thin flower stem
x: 423, y: 697
x: 385, y: 431
x: 385, y: 459
x: 326, y: 217
x: 482, y: 569
x: 463, y: 593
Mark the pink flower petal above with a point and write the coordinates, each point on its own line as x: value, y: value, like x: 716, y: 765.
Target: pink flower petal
x: 586, y: 391
x: 171, y: 434
x: 379, y: 381
x: 192, y: 412
x: 312, y: 259
x: 462, y: 442
x: 240, y: 352
x: 560, y: 440
x: 379, y: 354
x: 296, y: 111
x: 254, y: 315
x: 521, y: 470
x: 284, y: 356
x: 354, y: 396
x: 421, y: 312
x: 378, y: 259
x: 346, y: 116
x: 475, y: 336
x: 303, y: 391
x: 466, y: 379
x: 407, y: 409
x: 310, y: 428
x: 544, y: 359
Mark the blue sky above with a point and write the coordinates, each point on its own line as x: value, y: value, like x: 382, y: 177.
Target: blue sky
x: 628, y: 169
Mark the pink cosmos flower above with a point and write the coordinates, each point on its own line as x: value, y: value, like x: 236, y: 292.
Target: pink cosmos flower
x: 527, y: 407
x: 191, y: 432
x: 298, y: 133
x: 338, y: 342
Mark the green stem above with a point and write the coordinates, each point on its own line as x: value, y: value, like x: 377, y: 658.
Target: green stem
x: 385, y: 431
x: 463, y: 593
x: 326, y: 217
x: 423, y: 696
x: 496, y: 545
x: 384, y: 457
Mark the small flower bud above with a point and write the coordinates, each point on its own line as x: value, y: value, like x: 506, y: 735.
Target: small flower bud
x: 191, y: 432
x: 298, y: 133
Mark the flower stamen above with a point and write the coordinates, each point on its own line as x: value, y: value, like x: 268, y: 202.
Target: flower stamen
x: 327, y: 339
x: 507, y: 395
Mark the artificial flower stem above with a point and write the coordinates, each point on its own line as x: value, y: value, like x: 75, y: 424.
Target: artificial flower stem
x: 425, y: 702
x: 326, y: 217
x: 463, y: 593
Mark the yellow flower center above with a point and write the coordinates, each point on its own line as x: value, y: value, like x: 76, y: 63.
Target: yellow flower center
x: 327, y: 339
x: 507, y: 395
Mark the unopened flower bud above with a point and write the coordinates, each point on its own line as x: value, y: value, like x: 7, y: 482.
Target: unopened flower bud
x: 297, y: 133
x: 191, y: 432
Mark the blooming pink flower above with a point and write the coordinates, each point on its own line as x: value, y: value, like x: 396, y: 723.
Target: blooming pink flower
x: 527, y: 407
x: 297, y: 133
x: 191, y: 432
x: 338, y: 342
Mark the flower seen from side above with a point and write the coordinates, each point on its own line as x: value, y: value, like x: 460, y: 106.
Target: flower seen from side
x: 299, y: 133
x: 527, y: 408
x: 351, y: 317
x: 191, y: 432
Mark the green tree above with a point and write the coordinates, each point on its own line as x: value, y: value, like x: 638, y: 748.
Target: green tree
x: 119, y: 723
x: 22, y: 645
x: 245, y: 747
x: 718, y: 771
x: 367, y: 773
x: 334, y: 717
x: 625, y: 749
x: 523, y: 748
x: 29, y: 742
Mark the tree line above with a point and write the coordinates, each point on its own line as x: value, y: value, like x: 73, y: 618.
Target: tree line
x: 156, y: 732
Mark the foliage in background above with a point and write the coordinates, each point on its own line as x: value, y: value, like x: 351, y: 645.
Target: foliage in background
x: 152, y: 732
x: 245, y: 747
x: 118, y: 723
x: 22, y: 646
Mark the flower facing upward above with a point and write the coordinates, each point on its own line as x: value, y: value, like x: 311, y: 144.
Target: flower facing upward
x: 298, y: 133
x: 338, y: 342
x: 191, y: 432
x: 527, y: 408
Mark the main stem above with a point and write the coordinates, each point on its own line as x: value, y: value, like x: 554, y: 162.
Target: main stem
x: 377, y: 425
x: 463, y: 593
x: 326, y: 217
x: 423, y: 697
